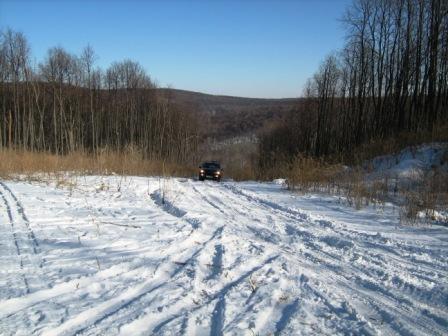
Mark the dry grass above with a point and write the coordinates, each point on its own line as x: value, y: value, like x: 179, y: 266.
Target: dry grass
x: 420, y: 201
x: 426, y: 199
x: 130, y: 162
x: 309, y: 174
x: 241, y: 173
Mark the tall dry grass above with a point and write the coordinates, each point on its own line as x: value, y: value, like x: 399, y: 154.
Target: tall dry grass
x: 309, y: 174
x: 427, y: 199
x: 421, y: 199
x: 129, y: 162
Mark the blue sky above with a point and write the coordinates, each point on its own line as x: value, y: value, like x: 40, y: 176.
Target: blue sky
x: 244, y: 48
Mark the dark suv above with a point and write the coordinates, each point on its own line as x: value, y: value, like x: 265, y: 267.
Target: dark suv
x: 210, y: 169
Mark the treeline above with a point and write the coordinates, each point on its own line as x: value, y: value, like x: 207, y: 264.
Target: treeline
x: 66, y: 104
x: 390, y: 77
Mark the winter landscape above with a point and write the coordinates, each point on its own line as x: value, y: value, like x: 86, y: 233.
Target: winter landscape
x: 123, y: 255
x: 253, y: 168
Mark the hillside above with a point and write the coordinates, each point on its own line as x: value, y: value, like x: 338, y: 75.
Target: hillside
x: 226, y: 117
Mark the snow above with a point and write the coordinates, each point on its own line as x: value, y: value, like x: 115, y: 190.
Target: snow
x: 132, y: 255
x: 412, y: 162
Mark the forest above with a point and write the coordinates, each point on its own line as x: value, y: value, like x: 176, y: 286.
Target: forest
x: 66, y: 104
x: 389, y: 81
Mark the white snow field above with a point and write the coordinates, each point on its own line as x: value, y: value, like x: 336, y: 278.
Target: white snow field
x: 133, y: 255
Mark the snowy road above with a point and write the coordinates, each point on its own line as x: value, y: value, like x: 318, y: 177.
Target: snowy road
x: 114, y: 255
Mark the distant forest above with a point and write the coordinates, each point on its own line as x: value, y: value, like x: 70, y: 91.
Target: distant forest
x: 66, y: 104
x: 390, y: 77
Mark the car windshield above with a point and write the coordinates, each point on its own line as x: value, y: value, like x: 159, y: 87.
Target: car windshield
x: 210, y: 165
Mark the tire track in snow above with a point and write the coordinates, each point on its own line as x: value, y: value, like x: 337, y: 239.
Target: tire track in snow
x: 217, y: 326
x: 262, y: 234
x: 147, y: 323
x: 383, y: 300
x: 132, y: 299
x: 132, y: 310
x: 21, y: 211
x: 59, y: 291
x: 155, y: 324
x: 343, y: 305
x: 347, y: 236
x: 31, y: 260
x: 16, y: 244
x: 371, y: 240
x: 127, y: 269
x: 217, y: 319
x: 133, y: 305
x: 171, y: 209
x: 207, y: 200
x: 35, y: 275
x: 218, y: 314
x: 286, y: 315
x: 311, y: 249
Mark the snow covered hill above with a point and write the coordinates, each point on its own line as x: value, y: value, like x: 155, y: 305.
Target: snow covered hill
x: 115, y: 255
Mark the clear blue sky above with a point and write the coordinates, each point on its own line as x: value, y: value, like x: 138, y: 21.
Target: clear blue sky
x: 244, y: 48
